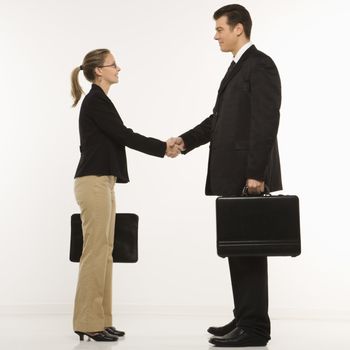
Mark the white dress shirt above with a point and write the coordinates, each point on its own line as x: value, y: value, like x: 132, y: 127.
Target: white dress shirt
x: 241, y: 51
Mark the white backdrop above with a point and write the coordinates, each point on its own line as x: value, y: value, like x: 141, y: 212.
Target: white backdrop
x: 171, y: 70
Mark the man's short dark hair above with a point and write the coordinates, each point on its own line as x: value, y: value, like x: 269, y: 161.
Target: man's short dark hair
x: 236, y: 14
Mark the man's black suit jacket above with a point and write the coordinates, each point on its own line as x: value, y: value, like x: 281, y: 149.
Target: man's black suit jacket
x: 242, y: 130
x: 103, y: 138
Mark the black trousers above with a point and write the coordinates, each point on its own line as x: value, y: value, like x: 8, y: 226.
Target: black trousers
x: 250, y: 294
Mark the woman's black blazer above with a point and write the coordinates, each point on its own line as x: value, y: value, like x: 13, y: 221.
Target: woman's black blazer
x: 103, y: 138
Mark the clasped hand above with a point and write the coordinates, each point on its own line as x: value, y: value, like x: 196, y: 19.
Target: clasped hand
x: 175, y: 145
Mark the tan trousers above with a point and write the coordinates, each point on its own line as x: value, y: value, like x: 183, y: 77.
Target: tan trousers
x: 93, y: 299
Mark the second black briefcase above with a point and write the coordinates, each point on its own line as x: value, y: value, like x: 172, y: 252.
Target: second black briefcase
x: 125, y: 238
x: 258, y: 226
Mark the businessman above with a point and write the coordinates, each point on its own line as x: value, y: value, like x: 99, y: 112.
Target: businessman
x: 242, y: 132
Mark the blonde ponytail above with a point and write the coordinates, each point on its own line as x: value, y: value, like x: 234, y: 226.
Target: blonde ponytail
x: 76, y: 89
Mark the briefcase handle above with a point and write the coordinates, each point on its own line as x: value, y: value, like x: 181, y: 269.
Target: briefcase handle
x: 265, y: 193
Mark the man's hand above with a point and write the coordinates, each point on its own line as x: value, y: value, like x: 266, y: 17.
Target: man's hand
x: 180, y: 142
x: 255, y: 186
x: 174, y: 147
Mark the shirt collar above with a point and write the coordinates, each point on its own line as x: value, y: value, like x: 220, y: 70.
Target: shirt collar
x: 241, y: 51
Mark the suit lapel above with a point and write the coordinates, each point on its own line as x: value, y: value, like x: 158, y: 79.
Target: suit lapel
x: 236, y: 68
x: 227, y: 75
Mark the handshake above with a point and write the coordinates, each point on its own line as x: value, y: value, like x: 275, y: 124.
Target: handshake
x: 174, y: 146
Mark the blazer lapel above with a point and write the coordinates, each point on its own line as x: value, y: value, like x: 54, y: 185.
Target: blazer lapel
x: 227, y: 75
x: 235, y: 69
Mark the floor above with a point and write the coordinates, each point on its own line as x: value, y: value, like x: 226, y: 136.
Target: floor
x: 161, y: 332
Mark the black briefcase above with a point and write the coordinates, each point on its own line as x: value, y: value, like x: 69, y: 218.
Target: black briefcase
x: 125, y: 238
x: 258, y: 226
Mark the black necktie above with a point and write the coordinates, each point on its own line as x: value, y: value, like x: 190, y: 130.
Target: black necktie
x: 230, y: 68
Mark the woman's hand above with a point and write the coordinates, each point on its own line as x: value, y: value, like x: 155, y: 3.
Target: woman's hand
x: 174, y: 147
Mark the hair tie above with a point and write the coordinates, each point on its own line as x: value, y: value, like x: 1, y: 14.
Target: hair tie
x: 81, y: 68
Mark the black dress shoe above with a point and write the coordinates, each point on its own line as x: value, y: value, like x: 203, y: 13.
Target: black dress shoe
x: 238, y: 338
x: 97, y: 336
x: 110, y: 334
x: 114, y: 331
x: 220, y: 331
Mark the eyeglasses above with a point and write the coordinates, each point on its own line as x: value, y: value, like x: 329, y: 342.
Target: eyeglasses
x: 114, y: 65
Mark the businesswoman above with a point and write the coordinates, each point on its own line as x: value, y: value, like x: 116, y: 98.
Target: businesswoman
x: 103, y: 138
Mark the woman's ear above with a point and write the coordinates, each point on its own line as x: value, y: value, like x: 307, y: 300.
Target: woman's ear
x: 98, y: 72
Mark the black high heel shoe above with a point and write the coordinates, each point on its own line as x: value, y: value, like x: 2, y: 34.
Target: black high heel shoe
x: 97, y: 336
x: 114, y: 331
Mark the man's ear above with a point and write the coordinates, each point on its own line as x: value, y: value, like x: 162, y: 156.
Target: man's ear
x: 239, y: 30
